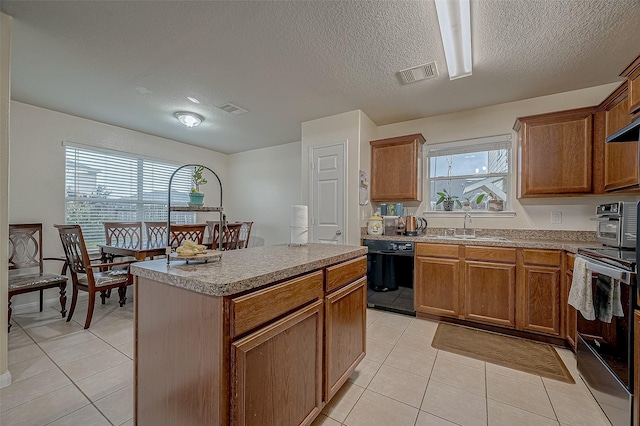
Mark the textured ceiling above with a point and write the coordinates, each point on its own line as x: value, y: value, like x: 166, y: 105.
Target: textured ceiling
x: 133, y: 63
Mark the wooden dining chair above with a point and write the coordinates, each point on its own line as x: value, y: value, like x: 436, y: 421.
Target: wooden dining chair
x: 156, y: 233
x: 230, y: 235
x: 26, y: 266
x: 92, y: 278
x: 180, y: 233
x: 245, y: 233
x: 124, y: 234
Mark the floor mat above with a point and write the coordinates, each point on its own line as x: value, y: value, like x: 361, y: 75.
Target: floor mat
x: 518, y: 354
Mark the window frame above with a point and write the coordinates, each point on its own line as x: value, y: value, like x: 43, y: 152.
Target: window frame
x: 504, y: 141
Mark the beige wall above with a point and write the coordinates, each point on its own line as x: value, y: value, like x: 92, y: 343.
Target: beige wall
x: 263, y: 185
x: 5, y: 96
x: 499, y: 119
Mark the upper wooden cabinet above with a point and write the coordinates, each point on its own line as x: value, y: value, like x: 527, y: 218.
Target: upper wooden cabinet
x: 555, y: 153
x: 615, y: 164
x: 632, y: 74
x: 396, y: 168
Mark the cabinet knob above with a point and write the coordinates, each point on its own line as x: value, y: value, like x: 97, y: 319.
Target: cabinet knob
x: 338, y: 232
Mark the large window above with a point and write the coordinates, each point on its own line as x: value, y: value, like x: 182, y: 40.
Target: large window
x: 105, y: 186
x: 466, y: 169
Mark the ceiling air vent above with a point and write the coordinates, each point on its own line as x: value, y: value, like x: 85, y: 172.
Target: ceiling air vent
x: 421, y: 72
x: 232, y: 109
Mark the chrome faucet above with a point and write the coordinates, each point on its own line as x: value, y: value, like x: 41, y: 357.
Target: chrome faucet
x: 467, y: 215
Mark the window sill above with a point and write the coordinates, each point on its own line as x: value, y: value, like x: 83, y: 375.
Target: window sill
x: 473, y: 213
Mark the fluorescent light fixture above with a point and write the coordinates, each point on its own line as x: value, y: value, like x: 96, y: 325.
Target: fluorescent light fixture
x: 454, y: 17
x: 189, y: 119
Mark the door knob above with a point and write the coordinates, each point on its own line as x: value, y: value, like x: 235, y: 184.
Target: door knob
x: 338, y: 232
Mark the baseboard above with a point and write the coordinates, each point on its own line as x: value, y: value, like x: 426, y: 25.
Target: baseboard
x: 5, y: 379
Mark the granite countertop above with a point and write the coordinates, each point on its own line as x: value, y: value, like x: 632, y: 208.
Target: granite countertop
x: 569, y: 241
x: 241, y: 270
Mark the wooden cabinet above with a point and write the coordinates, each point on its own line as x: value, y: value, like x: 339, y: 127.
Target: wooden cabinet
x: 345, y: 326
x: 571, y: 317
x: 276, y: 372
x: 632, y: 74
x: 437, y: 279
x: 615, y: 164
x: 555, y: 153
x: 490, y: 285
x: 396, y: 168
x: 539, y: 289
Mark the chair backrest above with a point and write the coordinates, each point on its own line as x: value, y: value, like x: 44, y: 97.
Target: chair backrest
x: 124, y: 234
x: 25, y: 246
x: 181, y: 233
x: 230, y: 235
x: 156, y: 233
x: 74, y: 249
x: 245, y: 233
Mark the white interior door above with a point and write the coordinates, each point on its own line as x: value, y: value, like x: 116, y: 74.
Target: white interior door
x: 327, y: 194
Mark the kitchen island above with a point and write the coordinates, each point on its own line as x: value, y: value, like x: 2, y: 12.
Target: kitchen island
x: 264, y: 336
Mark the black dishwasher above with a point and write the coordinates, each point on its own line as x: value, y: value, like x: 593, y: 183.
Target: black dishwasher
x: 390, y: 275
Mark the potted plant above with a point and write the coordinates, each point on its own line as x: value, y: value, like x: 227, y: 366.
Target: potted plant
x: 494, y: 204
x: 447, y: 200
x: 196, y: 198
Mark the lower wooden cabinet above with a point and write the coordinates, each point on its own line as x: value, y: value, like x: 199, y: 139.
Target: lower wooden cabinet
x: 538, y: 300
x: 521, y: 289
x: 437, y: 288
x: 345, y: 325
x: 489, y: 285
x: 276, y: 367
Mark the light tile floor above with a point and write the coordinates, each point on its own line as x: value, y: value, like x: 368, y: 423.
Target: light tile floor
x: 64, y: 375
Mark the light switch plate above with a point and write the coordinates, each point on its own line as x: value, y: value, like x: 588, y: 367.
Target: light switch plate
x: 556, y: 217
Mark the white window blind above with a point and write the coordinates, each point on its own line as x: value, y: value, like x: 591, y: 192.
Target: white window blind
x: 468, y: 168
x: 108, y: 186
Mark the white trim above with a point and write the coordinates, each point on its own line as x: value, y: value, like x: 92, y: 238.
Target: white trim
x: 474, y: 213
x: 469, y: 142
x: 5, y: 379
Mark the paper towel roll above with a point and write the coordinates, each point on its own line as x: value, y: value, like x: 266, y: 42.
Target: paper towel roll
x: 299, y: 224
x: 299, y: 216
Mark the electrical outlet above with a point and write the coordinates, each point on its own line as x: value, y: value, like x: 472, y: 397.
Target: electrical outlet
x: 556, y: 217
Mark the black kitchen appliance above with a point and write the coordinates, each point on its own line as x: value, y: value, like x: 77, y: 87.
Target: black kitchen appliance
x: 605, y: 350
x: 390, y: 275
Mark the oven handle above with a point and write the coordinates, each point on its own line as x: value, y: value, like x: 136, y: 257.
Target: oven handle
x: 616, y: 274
x: 604, y: 219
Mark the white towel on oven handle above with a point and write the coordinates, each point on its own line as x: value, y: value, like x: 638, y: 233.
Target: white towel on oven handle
x: 616, y: 302
x: 581, y: 293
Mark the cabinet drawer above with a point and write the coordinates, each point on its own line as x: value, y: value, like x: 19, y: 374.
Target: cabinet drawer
x: 492, y: 254
x: 542, y: 257
x: 346, y: 272
x: 437, y: 250
x: 252, y: 310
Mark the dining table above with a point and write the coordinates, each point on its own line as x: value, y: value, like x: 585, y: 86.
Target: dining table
x: 141, y: 252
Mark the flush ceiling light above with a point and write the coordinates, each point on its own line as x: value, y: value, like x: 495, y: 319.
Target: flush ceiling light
x: 189, y: 119
x: 454, y: 17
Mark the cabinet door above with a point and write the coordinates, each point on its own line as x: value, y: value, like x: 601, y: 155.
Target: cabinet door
x: 556, y: 153
x: 345, y: 331
x: 276, y: 372
x: 396, y: 168
x: 490, y: 293
x: 539, y: 300
x: 572, y: 315
x: 621, y: 158
x: 437, y: 286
